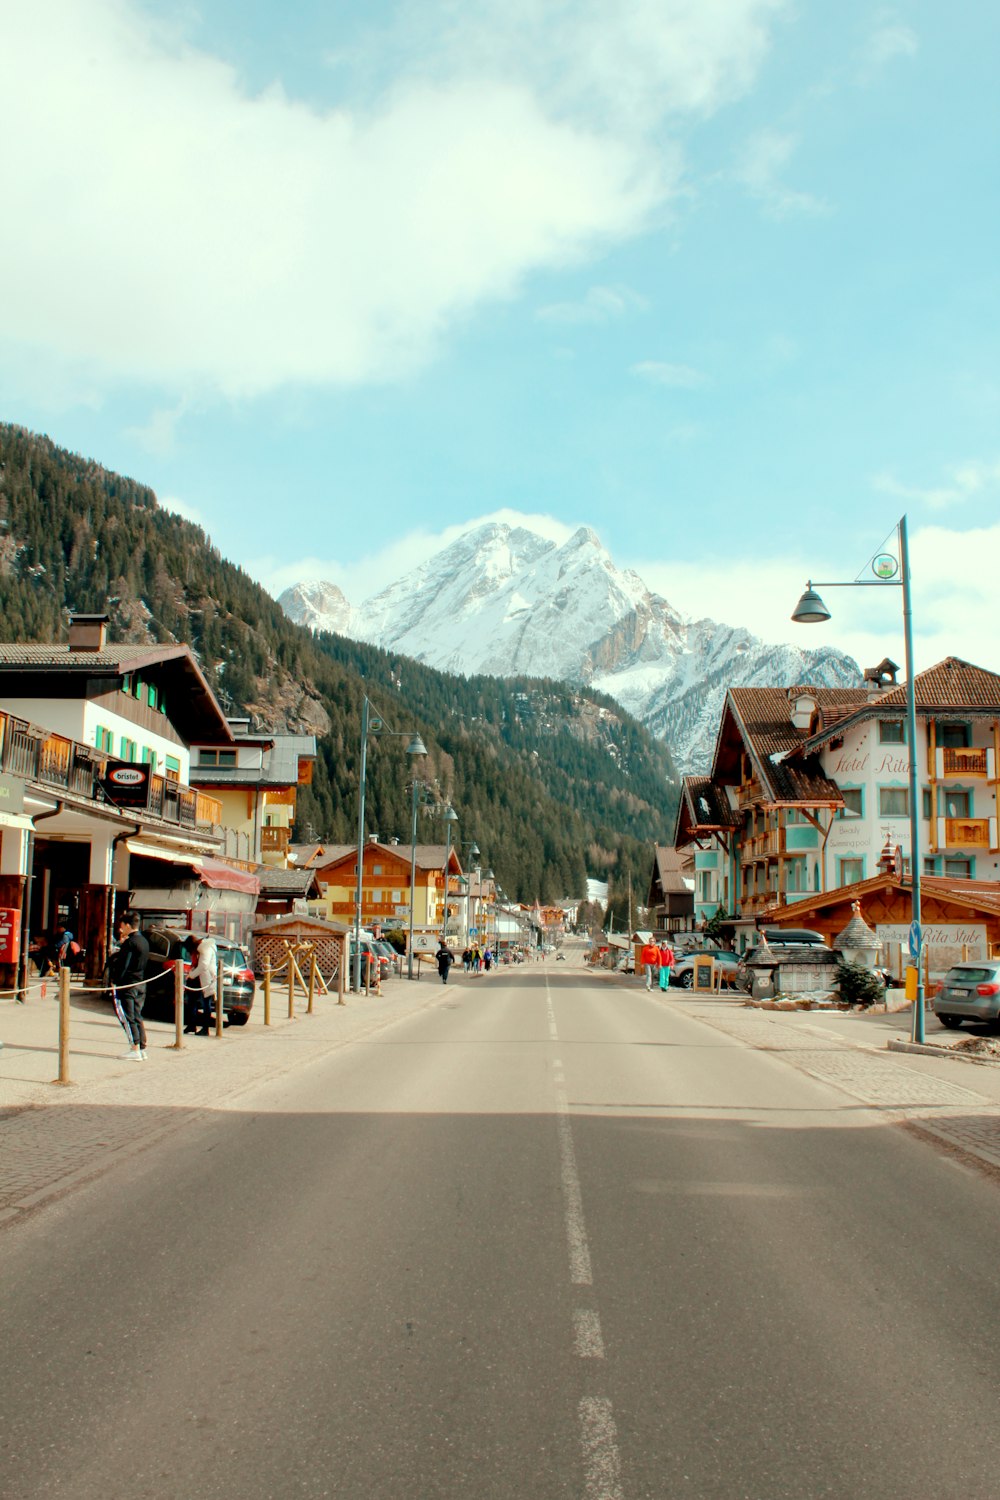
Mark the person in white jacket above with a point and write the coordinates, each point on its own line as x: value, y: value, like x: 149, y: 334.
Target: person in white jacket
x: 203, y: 977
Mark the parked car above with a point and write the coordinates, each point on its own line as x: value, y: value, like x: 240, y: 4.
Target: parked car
x: 388, y: 956
x: 682, y: 972
x: 970, y: 992
x: 169, y: 946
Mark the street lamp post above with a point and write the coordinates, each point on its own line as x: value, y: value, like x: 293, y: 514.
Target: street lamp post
x: 419, y: 789
x: 489, y: 904
x: 450, y: 816
x: 371, y: 725
x: 473, y: 848
x: 811, y: 610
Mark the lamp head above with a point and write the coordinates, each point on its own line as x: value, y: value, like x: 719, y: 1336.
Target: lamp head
x: 810, y: 609
x: 450, y: 815
x: 416, y: 746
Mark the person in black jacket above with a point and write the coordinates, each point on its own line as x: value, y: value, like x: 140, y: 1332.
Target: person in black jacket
x: 445, y: 959
x: 128, y: 983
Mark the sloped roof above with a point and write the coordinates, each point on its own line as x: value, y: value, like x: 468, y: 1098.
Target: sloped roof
x: 952, y: 684
x: 672, y: 868
x: 761, y: 719
x: 977, y: 895
x: 952, y: 687
x: 194, y: 708
x: 702, y: 809
x: 428, y: 856
x: 275, y: 881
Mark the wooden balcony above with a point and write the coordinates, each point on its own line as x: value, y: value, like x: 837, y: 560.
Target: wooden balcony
x: 965, y: 763
x: 748, y: 793
x: 765, y: 846
x: 967, y: 833
x: 58, y: 764
x: 208, y: 809
x: 752, y: 906
x: 274, y: 840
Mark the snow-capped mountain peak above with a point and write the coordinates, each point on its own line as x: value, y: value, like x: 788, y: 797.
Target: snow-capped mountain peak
x: 507, y: 601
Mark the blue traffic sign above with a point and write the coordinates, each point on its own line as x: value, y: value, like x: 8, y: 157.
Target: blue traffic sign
x: 916, y: 939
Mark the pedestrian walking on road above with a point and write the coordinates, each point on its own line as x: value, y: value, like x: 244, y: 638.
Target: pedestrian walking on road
x: 666, y: 963
x: 128, y: 983
x: 445, y: 959
x: 649, y: 959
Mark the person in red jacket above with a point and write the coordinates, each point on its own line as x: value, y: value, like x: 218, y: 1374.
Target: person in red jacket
x: 649, y: 959
x: 666, y: 963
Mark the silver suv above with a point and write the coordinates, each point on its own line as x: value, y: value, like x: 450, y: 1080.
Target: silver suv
x: 970, y: 992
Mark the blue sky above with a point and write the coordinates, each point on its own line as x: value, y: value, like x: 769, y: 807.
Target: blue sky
x: 717, y: 278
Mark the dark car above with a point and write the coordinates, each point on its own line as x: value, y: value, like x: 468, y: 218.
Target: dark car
x: 169, y: 946
x: 969, y: 992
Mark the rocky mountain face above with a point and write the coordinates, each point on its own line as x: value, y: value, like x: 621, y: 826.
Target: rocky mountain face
x: 507, y: 602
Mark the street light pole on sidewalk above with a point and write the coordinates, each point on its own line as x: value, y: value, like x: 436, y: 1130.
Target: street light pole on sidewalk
x: 811, y: 610
x: 370, y: 724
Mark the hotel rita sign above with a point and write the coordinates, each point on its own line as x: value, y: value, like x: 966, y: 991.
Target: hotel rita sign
x: 125, y: 784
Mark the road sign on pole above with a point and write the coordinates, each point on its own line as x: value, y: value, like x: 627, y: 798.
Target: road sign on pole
x: 916, y: 940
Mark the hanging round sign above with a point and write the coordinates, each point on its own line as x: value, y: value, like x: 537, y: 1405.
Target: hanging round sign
x: 885, y: 566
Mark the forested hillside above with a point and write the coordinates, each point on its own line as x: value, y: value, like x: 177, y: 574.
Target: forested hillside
x: 552, y: 783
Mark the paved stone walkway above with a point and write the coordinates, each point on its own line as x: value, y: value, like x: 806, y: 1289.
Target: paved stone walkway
x: 66, y: 1136
x: 956, y: 1113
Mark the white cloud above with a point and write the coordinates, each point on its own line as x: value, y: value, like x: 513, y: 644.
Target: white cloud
x: 159, y: 434
x: 683, y: 377
x: 760, y: 169
x: 889, y: 39
x: 965, y: 481
x: 174, y: 229
x: 185, y: 511
x: 601, y: 304
x: 953, y: 588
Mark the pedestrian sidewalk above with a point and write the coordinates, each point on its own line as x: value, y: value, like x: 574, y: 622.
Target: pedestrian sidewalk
x: 53, y: 1137
x: 951, y: 1100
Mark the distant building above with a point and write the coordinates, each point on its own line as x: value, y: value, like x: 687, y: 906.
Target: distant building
x: 256, y: 777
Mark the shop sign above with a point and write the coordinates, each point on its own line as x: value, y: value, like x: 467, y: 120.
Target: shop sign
x: 126, y: 784
x: 11, y: 794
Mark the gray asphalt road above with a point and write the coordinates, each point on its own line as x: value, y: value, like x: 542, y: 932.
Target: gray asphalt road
x: 551, y: 1239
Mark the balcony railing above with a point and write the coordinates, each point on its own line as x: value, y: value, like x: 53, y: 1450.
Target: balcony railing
x: 63, y: 765
x: 748, y: 793
x: 966, y: 833
x: 965, y: 763
x: 274, y: 840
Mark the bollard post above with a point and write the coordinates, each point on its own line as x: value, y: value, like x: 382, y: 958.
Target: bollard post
x: 341, y: 966
x: 267, y: 992
x: 220, y: 1019
x: 312, y: 983
x: 63, y: 1027
x: 178, y: 1004
x: 291, y: 987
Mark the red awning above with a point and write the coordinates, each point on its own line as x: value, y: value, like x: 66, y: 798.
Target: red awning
x: 220, y: 877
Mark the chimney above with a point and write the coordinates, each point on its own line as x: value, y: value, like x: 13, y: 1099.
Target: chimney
x: 801, y: 706
x: 87, y: 632
x: 880, y: 679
